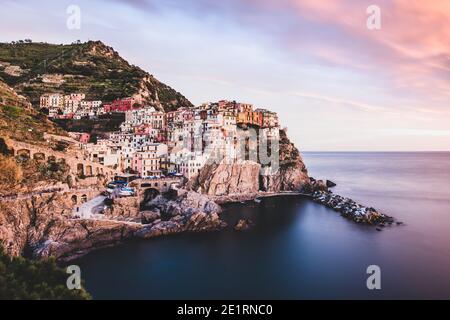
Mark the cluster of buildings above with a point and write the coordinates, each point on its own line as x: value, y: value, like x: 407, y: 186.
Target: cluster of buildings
x: 154, y: 143
x: 75, y: 105
x: 70, y: 106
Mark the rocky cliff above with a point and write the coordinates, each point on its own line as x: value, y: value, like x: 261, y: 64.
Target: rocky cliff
x: 238, y: 177
x: 190, y: 212
x: 292, y: 174
x: 244, y: 179
x: 42, y: 226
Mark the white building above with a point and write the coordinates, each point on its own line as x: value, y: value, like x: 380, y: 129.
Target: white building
x: 150, y: 159
x: 190, y: 164
x: 147, y: 115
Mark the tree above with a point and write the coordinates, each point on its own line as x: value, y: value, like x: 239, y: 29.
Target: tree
x: 44, y: 111
x: 22, y: 278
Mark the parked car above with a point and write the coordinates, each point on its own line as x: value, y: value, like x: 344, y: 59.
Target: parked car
x: 110, y: 187
x: 126, y: 192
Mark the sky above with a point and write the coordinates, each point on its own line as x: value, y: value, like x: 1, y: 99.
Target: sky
x: 336, y: 84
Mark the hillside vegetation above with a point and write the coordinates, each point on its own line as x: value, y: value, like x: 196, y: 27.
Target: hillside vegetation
x: 21, y: 278
x: 19, y: 121
x: 91, y: 67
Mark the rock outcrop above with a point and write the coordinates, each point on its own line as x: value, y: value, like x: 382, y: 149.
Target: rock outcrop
x: 42, y: 226
x: 148, y: 217
x: 191, y: 212
x: 69, y: 239
x: 318, y: 185
x: 292, y: 174
x: 227, y: 178
x: 124, y: 209
x: 243, y: 225
x: 238, y: 180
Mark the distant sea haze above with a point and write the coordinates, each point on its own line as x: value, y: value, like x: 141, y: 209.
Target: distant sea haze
x: 299, y: 249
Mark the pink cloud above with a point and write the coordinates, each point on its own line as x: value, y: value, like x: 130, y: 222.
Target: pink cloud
x: 412, y: 47
x: 411, y: 51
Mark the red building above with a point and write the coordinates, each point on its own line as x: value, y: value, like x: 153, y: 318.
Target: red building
x: 203, y: 114
x: 162, y: 136
x: 120, y: 105
x: 170, y: 116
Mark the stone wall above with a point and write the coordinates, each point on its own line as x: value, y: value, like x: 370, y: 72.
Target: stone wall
x: 75, y: 160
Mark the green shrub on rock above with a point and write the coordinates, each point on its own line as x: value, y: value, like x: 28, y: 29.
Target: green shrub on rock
x: 21, y: 278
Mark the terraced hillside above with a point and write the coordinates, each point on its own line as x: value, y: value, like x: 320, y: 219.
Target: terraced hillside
x: 19, y: 121
x: 91, y: 67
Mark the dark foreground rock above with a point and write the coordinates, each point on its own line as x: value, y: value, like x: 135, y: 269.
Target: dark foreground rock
x: 352, y: 210
x: 330, y: 184
x: 243, y: 225
x: 318, y: 185
x: 148, y: 217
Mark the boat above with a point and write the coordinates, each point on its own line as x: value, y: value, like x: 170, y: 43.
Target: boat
x: 257, y: 200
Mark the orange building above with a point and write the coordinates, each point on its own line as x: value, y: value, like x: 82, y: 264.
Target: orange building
x: 257, y: 118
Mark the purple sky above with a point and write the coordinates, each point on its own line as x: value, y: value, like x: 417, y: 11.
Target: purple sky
x: 336, y: 84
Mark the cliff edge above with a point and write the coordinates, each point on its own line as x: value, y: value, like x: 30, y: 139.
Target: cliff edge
x: 245, y: 179
x: 292, y: 174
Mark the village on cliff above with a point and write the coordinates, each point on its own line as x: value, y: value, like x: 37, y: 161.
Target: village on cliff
x: 154, y: 143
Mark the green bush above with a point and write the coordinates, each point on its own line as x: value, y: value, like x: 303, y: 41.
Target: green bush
x: 54, y: 171
x: 21, y: 278
x: 11, y: 111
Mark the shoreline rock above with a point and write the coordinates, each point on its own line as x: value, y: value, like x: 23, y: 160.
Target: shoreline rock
x: 243, y: 225
x: 44, y: 227
x: 352, y: 210
x: 191, y: 212
x: 53, y: 233
x: 330, y: 184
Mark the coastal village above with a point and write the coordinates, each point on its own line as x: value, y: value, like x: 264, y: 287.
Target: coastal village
x: 86, y: 173
x: 153, y: 143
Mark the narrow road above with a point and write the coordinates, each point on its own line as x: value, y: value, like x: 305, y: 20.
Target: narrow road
x: 88, y: 208
x: 30, y: 194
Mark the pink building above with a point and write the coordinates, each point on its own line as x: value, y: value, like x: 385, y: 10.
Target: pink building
x: 187, y: 115
x: 136, y: 163
x: 85, y: 137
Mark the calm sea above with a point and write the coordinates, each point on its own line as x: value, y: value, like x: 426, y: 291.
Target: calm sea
x: 299, y: 249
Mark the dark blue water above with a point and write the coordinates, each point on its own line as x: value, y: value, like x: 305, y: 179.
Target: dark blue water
x: 299, y: 249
